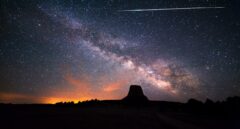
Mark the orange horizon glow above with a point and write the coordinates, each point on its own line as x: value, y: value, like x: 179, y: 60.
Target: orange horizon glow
x: 77, y: 89
x: 17, y: 98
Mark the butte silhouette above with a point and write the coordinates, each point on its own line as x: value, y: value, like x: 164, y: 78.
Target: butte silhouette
x: 135, y: 96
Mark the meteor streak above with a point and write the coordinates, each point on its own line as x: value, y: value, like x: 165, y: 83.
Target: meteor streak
x: 169, y: 9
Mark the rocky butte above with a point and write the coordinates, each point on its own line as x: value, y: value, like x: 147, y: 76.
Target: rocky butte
x: 135, y: 96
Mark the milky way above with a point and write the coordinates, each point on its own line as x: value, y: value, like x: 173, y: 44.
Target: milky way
x: 162, y: 74
x: 71, y: 51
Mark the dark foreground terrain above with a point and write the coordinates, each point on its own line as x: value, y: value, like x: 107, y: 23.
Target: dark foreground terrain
x: 110, y: 115
x: 134, y: 111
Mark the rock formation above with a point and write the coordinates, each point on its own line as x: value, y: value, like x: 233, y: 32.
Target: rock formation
x: 135, y: 95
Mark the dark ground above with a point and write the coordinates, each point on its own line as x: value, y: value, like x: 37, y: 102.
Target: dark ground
x: 112, y: 116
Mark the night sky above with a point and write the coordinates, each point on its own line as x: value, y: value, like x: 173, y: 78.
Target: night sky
x: 69, y: 50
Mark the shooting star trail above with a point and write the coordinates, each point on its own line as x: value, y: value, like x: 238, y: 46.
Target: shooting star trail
x: 169, y: 9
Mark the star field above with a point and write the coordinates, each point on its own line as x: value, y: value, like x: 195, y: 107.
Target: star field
x: 57, y: 50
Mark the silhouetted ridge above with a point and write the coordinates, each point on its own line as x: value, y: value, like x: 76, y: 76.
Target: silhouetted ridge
x: 135, y: 95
